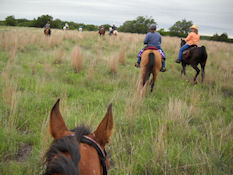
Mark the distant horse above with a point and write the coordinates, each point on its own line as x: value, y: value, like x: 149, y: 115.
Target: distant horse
x: 80, y: 29
x: 151, y: 63
x: 101, y: 31
x: 77, y: 151
x: 47, y: 32
x: 115, y: 32
x: 65, y: 28
x: 194, y: 56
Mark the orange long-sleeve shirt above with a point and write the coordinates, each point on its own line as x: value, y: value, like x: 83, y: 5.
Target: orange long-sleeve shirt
x: 192, y: 38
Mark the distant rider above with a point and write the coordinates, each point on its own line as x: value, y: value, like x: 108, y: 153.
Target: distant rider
x: 192, y: 39
x: 113, y: 28
x: 47, y: 27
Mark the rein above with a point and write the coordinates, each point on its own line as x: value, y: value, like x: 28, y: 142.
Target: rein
x: 102, y: 153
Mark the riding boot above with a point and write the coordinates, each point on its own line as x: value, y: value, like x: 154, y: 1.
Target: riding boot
x: 178, y: 60
x: 163, y: 69
x: 137, y: 65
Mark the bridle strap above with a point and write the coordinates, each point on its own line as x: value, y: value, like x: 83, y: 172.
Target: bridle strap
x: 101, y: 152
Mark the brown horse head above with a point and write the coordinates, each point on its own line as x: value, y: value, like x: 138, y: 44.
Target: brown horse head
x: 102, y: 31
x: 150, y: 64
x: 78, y: 151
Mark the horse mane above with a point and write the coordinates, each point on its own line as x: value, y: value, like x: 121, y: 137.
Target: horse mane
x: 60, y: 147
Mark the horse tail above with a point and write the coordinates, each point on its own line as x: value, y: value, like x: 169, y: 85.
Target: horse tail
x: 204, y: 53
x: 149, y: 67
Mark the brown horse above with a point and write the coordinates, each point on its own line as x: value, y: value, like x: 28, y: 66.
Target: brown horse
x: 194, y: 56
x: 150, y: 64
x: 47, y: 32
x: 101, y: 31
x: 78, y: 151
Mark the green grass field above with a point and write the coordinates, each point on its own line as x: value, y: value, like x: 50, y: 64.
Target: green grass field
x: 180, y: 128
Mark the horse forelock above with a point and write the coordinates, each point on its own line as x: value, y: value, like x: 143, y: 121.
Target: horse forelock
x: 64, y: 155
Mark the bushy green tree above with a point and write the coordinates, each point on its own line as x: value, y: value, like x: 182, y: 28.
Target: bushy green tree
x: 57, y: 23
x: 10, y: 21
x: 106, y: 26
x: 90, y: 27
x: 42, y: 20
x: 139, y: 25
x: 163, y: 32
x: 181, y: 28
x: 222, y: 37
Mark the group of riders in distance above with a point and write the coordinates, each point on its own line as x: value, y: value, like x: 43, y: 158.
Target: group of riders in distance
x: 189, y: 53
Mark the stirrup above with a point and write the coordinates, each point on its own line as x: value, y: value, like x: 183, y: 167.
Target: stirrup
x: 178, y: 61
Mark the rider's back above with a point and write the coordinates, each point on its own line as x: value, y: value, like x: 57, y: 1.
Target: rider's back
x: 153, y: 39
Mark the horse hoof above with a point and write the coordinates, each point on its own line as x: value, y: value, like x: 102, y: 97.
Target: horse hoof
x: 195, y: 82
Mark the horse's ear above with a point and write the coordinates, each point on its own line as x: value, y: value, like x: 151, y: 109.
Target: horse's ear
x: 105, y: 128
x: 181, y: 39
x: 56, y: 124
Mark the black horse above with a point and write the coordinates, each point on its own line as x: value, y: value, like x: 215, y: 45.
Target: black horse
x: 193, y: 56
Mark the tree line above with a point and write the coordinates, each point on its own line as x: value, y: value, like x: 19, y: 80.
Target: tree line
x: 138, y: 25
x: 42, y: 20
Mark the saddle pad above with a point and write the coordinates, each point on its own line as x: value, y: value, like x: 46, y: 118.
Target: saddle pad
x: 151, y: 48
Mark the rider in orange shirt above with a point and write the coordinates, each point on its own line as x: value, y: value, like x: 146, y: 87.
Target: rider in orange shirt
x: 192, y: 39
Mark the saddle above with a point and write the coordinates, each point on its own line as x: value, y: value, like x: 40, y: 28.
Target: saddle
x: 151, y: 48
x: 188, y: 52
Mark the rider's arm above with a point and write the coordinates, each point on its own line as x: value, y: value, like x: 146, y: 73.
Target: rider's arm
x: 146, y: 40
x: 189, y: 37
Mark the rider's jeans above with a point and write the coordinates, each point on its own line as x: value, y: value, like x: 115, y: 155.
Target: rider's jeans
x: 184, y: 47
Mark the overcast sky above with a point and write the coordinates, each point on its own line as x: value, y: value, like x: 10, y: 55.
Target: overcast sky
x: 212, y: 16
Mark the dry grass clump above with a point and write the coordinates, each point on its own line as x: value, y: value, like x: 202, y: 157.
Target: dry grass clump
x: 76, y: 59
x: 179, y: 111
x: 136, y: 97
x: 59, y: 55
x: 113, y: 64
x: 91, y: 70
x: 122, y: 56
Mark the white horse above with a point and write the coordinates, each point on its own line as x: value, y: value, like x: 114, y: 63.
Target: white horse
x: 115, y: 32
x: 80, y: 29
x: 65, y: 28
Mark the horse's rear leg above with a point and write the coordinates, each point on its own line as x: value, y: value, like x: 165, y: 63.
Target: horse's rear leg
x: 202, y: 72
x: 155, y: 73
x: 146, y: 78
x: 198, y: 71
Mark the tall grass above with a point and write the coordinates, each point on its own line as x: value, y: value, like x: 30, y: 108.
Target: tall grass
x: 113, y: 64
x: 76, y: 59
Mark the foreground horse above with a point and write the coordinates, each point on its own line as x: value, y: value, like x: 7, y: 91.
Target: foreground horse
x: 150, y: 64
x: 194, y: 56
x: 47, y: 32
x: 77, y: 151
